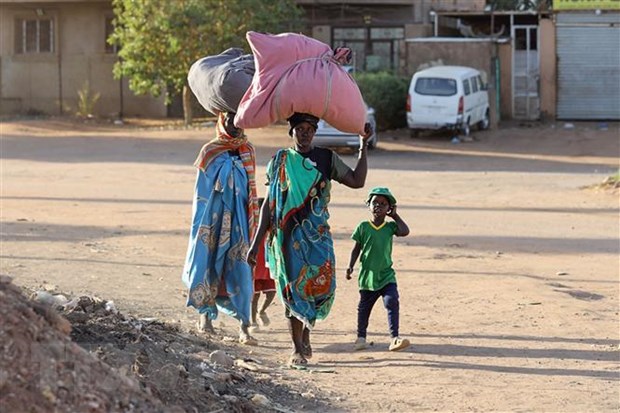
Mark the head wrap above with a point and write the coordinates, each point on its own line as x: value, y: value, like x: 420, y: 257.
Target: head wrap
x: 297, y: 118
x: 225, y: 142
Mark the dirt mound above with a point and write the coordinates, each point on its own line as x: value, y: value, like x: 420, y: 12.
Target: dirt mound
x: 95, y: 359
x: 43, y: 371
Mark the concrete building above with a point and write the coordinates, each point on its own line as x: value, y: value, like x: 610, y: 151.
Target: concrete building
x: 515, y: 50
x: 376, y: 30
x: 50, y: 50
x: 538, y: 64
x: 404, y: 36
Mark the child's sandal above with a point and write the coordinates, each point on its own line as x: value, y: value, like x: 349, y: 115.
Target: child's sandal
x: 399, y: 344
x: 360, y: 344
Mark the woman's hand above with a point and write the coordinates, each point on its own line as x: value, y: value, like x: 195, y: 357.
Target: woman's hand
x: 356, y: 178
x: 368, y: 132
x: 251, y: 257
x: 349, y: 272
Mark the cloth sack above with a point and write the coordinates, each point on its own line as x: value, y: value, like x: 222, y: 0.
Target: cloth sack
x: 295, y: 73
x: 219, y: 82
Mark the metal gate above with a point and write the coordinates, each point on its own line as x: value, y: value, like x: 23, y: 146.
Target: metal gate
x: 525, y: 72
x: 588, y: 51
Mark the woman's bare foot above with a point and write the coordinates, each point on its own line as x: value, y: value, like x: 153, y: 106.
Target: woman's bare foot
x: 253, y: 328
x: 306, y: 348
x: 307, y: 351
x: 245, y: 337
x: 297, y: 361
x: 204, y: 324
x: 264, y: 319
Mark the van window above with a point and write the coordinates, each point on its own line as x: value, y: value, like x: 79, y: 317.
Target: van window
x: 482, y: 87
x: 466, y: 87
x: 474, y: 84
x: 435, y: 86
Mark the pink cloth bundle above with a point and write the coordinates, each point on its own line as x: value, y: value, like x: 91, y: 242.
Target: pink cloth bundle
x: 295, y: 73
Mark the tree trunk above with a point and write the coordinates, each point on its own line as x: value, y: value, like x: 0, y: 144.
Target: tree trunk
x: 187, y: 106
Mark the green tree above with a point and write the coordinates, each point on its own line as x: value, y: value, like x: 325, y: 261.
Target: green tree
x: 160, y: 39
x: 387, y: 94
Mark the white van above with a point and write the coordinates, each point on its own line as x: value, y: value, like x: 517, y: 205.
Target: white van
x: 447, y: 97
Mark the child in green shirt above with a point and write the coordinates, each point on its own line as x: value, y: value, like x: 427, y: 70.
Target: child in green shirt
x: 373, y: 239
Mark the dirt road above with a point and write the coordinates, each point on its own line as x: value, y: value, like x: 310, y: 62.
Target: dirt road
x: 509, y: 280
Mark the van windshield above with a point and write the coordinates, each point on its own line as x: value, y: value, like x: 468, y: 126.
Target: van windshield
x: 435, y: 86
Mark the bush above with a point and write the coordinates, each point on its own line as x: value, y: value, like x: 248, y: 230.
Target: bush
x: 87, y: 100
x: 387, y: 94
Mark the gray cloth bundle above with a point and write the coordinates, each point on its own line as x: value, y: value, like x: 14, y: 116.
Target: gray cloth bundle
x: 219, y: 82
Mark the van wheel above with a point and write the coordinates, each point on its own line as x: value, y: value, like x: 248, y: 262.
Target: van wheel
x: 465, y: 128
x: 485, y: 122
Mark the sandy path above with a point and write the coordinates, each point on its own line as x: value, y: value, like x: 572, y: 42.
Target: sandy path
x: 509, y: 281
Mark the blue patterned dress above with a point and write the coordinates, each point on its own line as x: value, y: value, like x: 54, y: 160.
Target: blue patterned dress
x: 216, y: 272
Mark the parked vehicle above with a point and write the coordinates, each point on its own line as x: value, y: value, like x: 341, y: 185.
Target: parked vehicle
x: 447, y: 97
x: 327, y: 135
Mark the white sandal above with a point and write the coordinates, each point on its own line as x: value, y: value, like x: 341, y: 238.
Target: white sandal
x: 360, y: 344
x: 399, y: 344
x: 248, y: 340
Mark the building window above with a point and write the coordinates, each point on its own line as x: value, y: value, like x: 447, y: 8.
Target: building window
x: 374, y: 48
x: 34, y: 36
x: 109, y: 29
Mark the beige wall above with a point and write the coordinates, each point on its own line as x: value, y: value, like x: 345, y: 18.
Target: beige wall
x: 476, y: 54
x: 422, y: 5
x: 42, y: 82
x: 418, y: 30
x: 322, y: 33
x: 457, y: 5
x: 548, y: 75
x: 381, y: 12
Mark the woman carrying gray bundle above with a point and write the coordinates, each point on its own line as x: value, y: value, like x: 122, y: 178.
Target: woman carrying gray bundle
x: 225, y: 212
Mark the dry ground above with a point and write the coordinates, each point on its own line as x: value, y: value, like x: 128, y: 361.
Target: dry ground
x: 508, y: 282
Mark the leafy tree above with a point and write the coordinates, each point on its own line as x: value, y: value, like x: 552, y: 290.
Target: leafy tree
x: 160, y: 39
x: 386, y: 93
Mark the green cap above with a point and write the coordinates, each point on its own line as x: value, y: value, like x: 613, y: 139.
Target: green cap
x: 380, y: 190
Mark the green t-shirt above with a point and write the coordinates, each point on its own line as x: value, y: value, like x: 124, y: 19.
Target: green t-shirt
x: 376, y: 254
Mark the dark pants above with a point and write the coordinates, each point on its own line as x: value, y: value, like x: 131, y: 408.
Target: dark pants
x: 368, y: 300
